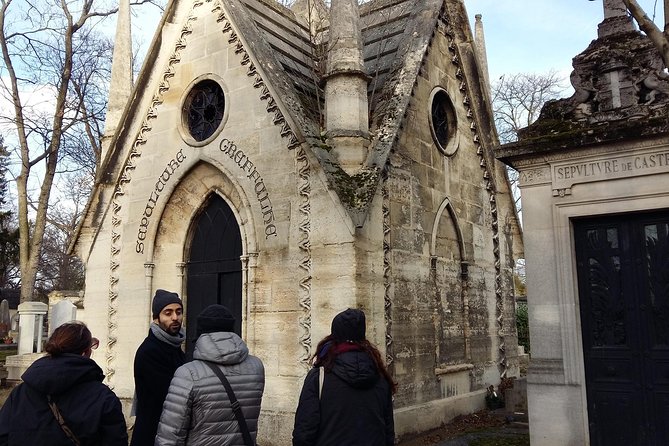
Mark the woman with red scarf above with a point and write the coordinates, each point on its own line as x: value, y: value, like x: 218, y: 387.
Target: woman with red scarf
x: 346, y: 398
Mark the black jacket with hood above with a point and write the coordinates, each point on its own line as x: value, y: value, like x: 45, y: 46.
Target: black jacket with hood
x: 90, y: 409
x: 355, y: 405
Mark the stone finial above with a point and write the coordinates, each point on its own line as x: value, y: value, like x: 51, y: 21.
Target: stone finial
x: 614, y: 8
x: 479, y: 44
x: 346, y: 103
x: 616, y: 19
x: 120, y: 86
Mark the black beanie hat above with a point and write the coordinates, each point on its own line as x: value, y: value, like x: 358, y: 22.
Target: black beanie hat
x: 215, y: 318
x: 349, y: 325
x: 162, y: 299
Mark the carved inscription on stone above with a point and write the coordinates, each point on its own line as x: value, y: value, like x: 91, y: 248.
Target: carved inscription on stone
x: 534, y: 176
x: 244, y: 162
x: 566, y: 175
x: 163, y: 179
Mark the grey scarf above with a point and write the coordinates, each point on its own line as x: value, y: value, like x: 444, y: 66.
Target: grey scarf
x: 173, y: 340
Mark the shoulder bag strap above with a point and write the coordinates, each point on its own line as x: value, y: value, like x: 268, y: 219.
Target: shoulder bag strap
x: 61, y: 421
x: 321, y: 379
x: 236, y: 408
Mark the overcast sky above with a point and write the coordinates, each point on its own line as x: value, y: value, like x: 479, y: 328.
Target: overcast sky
x: 534, y: 36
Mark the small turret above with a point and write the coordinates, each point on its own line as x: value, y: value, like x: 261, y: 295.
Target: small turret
x: 346, y: 103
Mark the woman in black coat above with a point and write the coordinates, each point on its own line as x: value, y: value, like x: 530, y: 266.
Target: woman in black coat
x: 353, y: 403
x: 69, y: 383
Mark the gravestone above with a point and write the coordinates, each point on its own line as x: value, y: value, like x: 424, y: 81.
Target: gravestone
x: 31, y: 321
x: 4, y: 318
x: 63, y: 311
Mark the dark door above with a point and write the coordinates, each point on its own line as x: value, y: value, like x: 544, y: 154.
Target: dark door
x: 623, y: 281
x: 214, y: 266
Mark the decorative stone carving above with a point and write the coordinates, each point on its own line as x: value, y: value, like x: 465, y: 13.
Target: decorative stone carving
x: 304, y: 174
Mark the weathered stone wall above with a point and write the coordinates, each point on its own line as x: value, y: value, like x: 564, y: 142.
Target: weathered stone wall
x: 444, y: 318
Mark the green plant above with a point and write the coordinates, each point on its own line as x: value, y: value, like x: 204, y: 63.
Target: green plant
x: 522, y: 325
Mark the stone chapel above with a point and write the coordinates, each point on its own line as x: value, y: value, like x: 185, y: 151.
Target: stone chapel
x: 292, y: 162
x: 594, y: 179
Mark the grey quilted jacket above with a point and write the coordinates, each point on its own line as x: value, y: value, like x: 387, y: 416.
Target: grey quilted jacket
x: 197, y: 410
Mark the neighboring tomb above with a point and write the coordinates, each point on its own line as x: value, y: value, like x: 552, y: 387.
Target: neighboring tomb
x: 594, y: 178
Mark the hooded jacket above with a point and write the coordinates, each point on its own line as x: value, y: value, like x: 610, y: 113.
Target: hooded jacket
x: 354, y: 408
x: 197, y: 411
x: 90, y: 409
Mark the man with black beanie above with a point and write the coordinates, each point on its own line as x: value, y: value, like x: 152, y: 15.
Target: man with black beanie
x: 197, y: 409
x: 155, y: 362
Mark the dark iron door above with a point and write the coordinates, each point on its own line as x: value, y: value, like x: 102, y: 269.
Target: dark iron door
x: 214, y: 266
x: 623, y: 281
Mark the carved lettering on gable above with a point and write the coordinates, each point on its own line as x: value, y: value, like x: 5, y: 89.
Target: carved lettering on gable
x: 163, y: 179
x: 242, y: 160
x: 566, y: 175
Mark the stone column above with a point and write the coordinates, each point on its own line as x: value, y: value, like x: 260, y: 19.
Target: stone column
x: 346, y: 103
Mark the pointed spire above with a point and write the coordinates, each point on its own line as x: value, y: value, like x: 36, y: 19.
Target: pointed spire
x: 346, y: 103
x: 616, y: 19
x: 481, y: 53
x: 120, y: 86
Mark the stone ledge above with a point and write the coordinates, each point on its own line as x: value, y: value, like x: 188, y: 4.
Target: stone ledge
x: 447, y: 369
x: 420, y: 418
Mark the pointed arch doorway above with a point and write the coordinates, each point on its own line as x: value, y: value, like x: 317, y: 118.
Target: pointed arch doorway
x: 214, y: 268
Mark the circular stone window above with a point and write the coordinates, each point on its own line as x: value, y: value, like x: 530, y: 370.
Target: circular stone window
x: 443, y: 122
x: 203, y: 110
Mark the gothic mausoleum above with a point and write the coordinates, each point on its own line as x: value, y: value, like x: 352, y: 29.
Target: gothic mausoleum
x: 292, y: 162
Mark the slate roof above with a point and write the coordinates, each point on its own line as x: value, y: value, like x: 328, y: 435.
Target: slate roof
x: 396, y: 35
x: 389, y: 27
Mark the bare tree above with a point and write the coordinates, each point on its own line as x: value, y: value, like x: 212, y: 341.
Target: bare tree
x: 53, y: 62
x: 59, y: 270
x: 9, y: 233
x: 517, y: 100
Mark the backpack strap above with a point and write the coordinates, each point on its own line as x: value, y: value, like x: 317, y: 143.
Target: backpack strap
x: 236, y: 408
x: 61, y: 421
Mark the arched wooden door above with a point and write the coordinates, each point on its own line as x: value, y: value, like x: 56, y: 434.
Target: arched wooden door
x: 214, y: 274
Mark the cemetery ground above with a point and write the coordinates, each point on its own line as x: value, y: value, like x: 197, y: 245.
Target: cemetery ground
x: 483, y: 428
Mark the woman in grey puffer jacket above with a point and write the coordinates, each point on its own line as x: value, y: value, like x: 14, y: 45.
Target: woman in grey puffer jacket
x: 197, y: 411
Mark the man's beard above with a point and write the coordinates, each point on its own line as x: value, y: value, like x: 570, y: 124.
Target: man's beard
x: 172, y: 329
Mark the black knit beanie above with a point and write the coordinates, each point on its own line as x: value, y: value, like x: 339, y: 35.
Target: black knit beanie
x: 162, y: 299
x: 349, y: 325
x: 215, y: 318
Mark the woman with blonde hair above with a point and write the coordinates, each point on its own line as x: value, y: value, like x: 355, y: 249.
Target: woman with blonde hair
x: 62, y: 400
x: 346, y: 398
